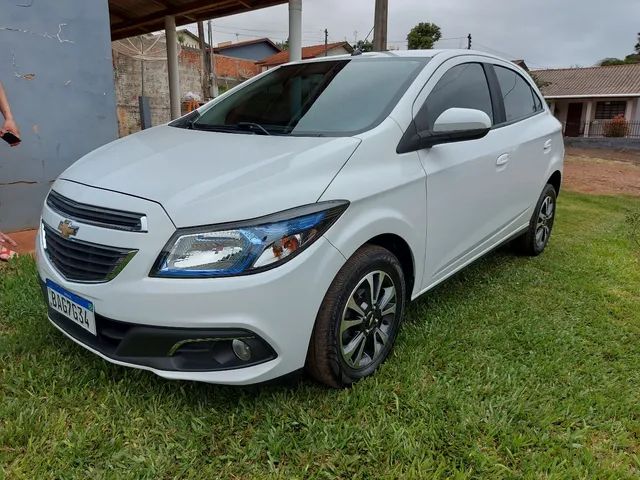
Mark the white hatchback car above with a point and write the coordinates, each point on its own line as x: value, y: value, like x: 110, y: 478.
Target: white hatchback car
x: 287, y: 223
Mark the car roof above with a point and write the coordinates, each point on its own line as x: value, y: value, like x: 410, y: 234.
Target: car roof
x: 403, y: 54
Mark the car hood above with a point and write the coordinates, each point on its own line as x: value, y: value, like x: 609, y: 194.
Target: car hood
x: 209, y: 177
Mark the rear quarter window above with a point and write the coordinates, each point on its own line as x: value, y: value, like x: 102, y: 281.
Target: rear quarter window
x: 520, y: 100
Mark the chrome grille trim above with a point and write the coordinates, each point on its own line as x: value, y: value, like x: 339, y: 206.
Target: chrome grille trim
x: 96, y: 216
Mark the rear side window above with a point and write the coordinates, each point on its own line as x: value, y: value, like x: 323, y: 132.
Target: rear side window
x: 520, y: 100
x: 463, y: 86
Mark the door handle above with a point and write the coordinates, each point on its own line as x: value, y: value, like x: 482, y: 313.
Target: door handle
x: 547, y: 146
x: 503, y: 160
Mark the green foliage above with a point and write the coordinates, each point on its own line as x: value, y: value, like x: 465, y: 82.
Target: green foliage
x: 364, y: 46
x: 629, y: 59
x: 423, y: 36
x: 513, y: 368
x: 611, y: 61
x: 284, y: 45
x: 633, y: 58
x: 617, y: 127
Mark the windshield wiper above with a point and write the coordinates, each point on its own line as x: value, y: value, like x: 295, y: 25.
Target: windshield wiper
x: 254, y: 127
x: 240, y: 126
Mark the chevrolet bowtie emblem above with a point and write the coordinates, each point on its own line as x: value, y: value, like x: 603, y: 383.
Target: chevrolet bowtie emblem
x: 67, y: 229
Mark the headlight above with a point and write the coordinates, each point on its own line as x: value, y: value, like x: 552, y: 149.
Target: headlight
x: 245, y: 247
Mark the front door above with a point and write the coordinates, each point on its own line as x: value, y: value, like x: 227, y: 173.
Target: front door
x: 467, y: 192
x: 574, y: 120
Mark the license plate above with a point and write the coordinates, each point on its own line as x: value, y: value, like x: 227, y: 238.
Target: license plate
x: 72, y: 306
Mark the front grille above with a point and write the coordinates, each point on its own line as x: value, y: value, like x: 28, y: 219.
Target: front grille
x: 98, y: 216
x: 83, y: 261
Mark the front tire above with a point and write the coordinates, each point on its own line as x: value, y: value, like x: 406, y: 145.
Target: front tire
x: 535, y: 239
x: 359, y: 318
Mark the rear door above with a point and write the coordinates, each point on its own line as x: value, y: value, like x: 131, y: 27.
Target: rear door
x: 528, y: 134
x: 467, y: 188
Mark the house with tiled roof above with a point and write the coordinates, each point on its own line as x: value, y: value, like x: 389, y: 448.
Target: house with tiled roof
x: 254, y: 50
x: 587, y: 100
x: 312, y: 51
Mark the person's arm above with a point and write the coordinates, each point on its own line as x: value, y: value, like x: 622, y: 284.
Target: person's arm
x: 6, y: 239
x: 9, y: 124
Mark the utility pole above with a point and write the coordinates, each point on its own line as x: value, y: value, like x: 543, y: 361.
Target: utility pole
x: 326, y: 41
x: 206, y: 63
x: 380, y: 25
x: 212, y: 56
x: 469, y: 42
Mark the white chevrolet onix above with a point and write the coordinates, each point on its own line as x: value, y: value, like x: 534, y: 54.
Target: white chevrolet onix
x: 287, y: 223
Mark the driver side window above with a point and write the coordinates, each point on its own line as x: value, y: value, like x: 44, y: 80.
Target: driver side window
x: 463, y: 86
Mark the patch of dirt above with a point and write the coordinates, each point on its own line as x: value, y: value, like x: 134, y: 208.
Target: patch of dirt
x: 602, y: 172
x: 606, y: 154
x: 25, y: 239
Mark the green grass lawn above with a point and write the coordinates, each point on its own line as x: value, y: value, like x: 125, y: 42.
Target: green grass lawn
x: 516, y: 367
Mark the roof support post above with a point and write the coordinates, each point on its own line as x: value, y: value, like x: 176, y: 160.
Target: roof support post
x: 628, y: 110
x: 172, y: 65
x: 587, y: 118
x: 295, y: 30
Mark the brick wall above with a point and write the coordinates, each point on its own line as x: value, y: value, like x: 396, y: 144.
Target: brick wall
x: 128, y: 83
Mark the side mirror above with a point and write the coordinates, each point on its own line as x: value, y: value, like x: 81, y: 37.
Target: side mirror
x: 453, y: 125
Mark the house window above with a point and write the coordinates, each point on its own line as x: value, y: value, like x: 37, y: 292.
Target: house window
x: 609, y: 110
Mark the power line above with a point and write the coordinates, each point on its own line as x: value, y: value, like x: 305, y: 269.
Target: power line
x: 507, y: 55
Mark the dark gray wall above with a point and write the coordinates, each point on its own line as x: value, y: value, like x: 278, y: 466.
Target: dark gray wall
x: 55, y: 64
x: 255, y: 51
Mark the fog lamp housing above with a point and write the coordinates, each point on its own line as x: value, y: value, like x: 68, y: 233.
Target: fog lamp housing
x: 241, y: 349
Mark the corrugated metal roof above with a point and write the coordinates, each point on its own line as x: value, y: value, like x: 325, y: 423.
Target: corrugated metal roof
x: 134, y: 17
x: 592, y: 81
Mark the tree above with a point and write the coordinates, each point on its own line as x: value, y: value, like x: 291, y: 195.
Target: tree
x: 364, y: 46
x: 423, y: 36
x: 631, y: 58
x: 610, y: 61
x: 284, y: 45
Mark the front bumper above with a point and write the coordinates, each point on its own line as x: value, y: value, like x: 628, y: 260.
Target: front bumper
x: 277, y: 307
x: 165, y: 348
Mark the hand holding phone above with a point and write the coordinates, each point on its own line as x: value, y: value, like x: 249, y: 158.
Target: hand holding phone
x: 11, y: 139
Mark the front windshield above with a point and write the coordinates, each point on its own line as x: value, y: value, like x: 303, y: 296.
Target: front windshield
x: 328, y: 98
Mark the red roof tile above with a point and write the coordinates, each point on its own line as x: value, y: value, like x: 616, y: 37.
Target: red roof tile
x: 312, y: 51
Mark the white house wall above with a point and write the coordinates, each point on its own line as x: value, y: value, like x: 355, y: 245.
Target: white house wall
x: 562, y: 107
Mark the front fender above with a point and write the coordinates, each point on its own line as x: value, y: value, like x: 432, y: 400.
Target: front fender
x: 388, y: 195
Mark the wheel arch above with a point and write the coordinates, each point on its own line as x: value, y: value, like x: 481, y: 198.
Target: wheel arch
x: 556, y: 181
x: 401, y: 249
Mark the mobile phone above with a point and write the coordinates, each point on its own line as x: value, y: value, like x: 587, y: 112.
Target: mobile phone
x: 11, y: 139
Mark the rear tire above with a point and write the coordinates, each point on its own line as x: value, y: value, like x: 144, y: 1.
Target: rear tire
x: 535, y: 239
x: 359, y: 318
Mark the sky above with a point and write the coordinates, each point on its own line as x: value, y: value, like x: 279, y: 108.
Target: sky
x: 545, y: 33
